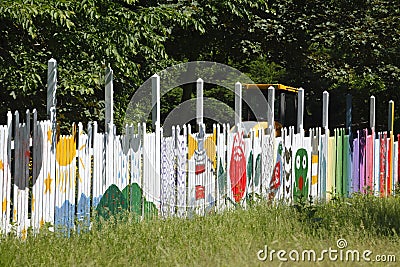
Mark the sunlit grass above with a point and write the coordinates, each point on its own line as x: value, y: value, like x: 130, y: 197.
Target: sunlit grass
x: 231, y: 238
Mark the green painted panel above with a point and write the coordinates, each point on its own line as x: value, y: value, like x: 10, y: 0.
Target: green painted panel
x: 346, y: 169
x: 339, y: 162
x: 114, y: 202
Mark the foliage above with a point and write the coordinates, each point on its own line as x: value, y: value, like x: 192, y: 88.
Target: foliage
x: 84, y: 37
x: 338, y: 45
x: 342, y: 46
x: 261, y: 71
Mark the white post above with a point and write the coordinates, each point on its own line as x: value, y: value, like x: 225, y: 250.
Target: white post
x: 156, y: 120
x: 51, y: 84
x: 7, y: 170
x: 49, y: 216
x: 271, y: 102
x: 109, y: 127
x: 199, y: 101
x: 238, y: 103
x: 17, y: 170
x: 51, y: 112
x: 372, y: 113
x: 325, y: 109
x: 109, y: 98
x: 155, y: 100
x: 300, y: 109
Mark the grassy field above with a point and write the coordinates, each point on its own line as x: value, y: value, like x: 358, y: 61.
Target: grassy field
x: 233, y: 238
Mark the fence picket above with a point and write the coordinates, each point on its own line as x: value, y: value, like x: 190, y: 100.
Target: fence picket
x: 339, y: 181
x: 369, y: 163
x: 377, y: 149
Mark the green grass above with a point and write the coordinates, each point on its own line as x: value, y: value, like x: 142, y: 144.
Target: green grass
x: 232, y: 238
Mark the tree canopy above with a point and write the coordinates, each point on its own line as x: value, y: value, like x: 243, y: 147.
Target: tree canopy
x: 339, y: 45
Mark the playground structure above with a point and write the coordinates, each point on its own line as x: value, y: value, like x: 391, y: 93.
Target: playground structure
x: 286, y: 100
x: 69, y: 180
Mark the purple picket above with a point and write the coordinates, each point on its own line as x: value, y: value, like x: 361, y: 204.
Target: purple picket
x: 362, y: 158
x: 355, y: 167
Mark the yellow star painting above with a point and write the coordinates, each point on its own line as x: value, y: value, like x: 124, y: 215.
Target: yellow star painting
x: 47, y: 183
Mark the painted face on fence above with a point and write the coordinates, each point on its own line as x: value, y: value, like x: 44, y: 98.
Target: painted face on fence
x: 237, y: 171
x: 301, y: 171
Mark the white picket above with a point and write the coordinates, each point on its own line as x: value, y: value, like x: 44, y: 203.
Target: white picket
x: 99, y: 161
x: 135, y: 148
x: 151, y: 172
x: 248, y: 144
x: 287, y: 135
x: 168, y: 175
x: 210, y: 173
x: 221, y: 168
x: 21, y: 176
x: 181, y: 154
x: 191, y: 193
x: 36, y: 162
x: 267, y: 158
x: 307, y: 146
x: 164, y: 177
x: 84, y: 165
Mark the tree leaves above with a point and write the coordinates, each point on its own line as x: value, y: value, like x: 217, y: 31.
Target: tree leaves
x: 83, y: 37
x: 337, y: 45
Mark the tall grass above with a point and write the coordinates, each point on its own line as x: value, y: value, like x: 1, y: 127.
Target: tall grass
x: 231, y: 238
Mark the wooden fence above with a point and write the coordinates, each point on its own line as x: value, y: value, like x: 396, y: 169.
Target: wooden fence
x: 65, y: 180
x: 68, y: 181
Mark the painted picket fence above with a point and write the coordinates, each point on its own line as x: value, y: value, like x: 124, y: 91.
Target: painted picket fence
x: 67, y: 181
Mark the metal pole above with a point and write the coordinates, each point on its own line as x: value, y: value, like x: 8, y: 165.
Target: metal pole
x: 271, y: 102
x: 155, y: 101
x: 372, y: 113
x: 199, y: 101
x: 109, y: 98
x: 325, y: 109
x: 238, y: 103
x: 51, y: 84
x: 282, y: 109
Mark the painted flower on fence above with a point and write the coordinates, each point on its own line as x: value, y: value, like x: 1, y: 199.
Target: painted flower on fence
x: 237, y: 171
